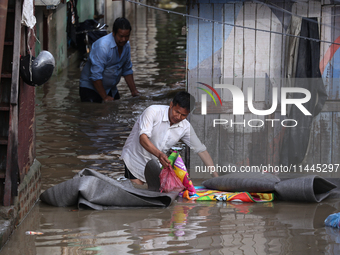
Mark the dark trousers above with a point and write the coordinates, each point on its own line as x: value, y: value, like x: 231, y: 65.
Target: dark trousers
x: 152, y: 171
x: 90, y: 95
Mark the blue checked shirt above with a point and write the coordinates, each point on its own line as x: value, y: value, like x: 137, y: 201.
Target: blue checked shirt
x: 105, y: 64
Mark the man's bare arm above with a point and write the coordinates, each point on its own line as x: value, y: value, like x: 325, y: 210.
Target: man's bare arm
x: 207, y: 160
x: 150, y: 147
x: 98, y: 84
x: 131, y: 84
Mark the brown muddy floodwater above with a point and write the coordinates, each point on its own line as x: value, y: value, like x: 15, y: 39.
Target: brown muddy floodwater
x: 72, y: 136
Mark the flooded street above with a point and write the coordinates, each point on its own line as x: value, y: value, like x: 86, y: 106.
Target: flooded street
x: 72, y: 136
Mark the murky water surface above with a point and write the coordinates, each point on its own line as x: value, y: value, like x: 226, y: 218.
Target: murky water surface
x: 73, y: 135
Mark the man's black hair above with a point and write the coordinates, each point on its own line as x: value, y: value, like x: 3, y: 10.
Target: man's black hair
x: 121, y: 23
x: 185, y: 100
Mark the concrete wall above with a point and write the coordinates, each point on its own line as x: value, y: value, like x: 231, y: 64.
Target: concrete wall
x: 85, y: 9
x: 39, y: 15
x: 57, y: 44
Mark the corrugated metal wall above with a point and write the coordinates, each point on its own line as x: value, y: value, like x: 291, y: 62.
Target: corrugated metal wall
x: 220, y: 53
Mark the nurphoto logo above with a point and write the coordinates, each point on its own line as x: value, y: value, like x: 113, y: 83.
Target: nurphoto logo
x: 239, y: 101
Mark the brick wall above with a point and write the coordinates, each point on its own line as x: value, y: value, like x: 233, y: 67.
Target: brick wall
x: 29, y: 190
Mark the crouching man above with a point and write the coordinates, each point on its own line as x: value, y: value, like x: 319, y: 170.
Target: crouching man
x: 157, y: 129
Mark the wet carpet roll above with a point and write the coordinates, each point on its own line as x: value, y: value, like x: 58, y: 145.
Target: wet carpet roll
x: 97, y: 191
x: 311, y: 188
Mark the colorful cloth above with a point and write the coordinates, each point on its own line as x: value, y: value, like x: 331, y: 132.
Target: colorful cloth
x: 181, y: 172
x: 216, y: 195
x: 200, y: 193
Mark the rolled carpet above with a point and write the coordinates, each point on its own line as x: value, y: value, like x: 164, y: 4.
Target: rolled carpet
x: 310, y: 188
x: 97, y: 191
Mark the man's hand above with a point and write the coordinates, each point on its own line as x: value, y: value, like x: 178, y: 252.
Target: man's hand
x: 98, y: 84
x: 163, y: 159
x: 150, y: 147
x: 135, y: 93
x: 108, y: 99
x: 131, y: 84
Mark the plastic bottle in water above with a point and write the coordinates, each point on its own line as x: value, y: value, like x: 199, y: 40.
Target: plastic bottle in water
x: 333, y: 220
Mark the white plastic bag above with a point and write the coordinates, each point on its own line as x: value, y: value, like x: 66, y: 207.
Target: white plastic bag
x: 28, y: 18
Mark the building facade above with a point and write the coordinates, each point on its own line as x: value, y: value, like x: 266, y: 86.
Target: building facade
x: 264, y: 45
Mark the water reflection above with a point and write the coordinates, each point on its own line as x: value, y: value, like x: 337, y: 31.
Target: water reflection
x: 186, y: 227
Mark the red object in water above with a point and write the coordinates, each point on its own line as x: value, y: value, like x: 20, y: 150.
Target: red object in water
x: 169, y: 181
x: 33, y: 233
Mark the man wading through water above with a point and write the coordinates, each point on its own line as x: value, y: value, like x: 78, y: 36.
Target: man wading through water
x: 109, y: 59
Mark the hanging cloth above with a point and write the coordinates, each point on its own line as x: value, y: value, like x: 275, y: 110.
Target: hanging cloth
x: 28, y: 18
x: 304, y: 72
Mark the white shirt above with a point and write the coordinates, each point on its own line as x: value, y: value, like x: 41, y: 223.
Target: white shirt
x: 154, y: 122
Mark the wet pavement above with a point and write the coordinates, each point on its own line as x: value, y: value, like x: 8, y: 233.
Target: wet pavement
x: 73, y: 135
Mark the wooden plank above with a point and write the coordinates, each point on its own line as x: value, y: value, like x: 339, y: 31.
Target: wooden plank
x: 238, y: 140
x: 4, y: 108
x: 276, y: 52
x: 334, y: 87
x: 274, y: 79
x: 218, y: 42
x: 278, y: 64
x: 207, y: 43
x: 217, y: 45
x: 249, y: 41
x: 326, y: 48
x: 253, y: 61
x: 300, y: 8
x: 3, y: 17
x: 3, y: 140
x: 309, y: 158
x: 336, y: 142
x: 262, y: 70
x: 16, y: 54
x: 316, y: 149
x: 314, y: 9
x: 331, y: 106
x: 192, y: 69
x: 275, y: 146
x: 326, y: 137
x: 238, y: 54
x: 12, y: 148
x: 197, y: 123
x: 192, y: 51
x: 263, y: 43
x: 238, y: 81
x: 6, y: 75
x: 229, y: 43
x: 227, y: 144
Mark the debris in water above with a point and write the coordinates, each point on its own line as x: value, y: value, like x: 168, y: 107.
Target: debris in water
x: 33, y: 233
x: 101, y: 156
